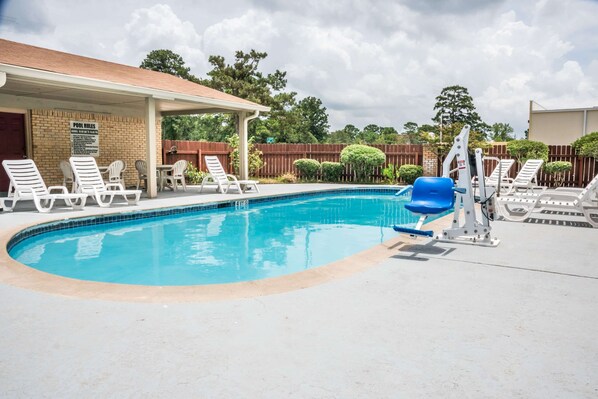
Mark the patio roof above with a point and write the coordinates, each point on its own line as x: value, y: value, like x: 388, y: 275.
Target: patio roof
x: 31, y: 72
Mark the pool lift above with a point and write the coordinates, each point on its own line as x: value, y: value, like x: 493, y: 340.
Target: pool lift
x: 434, y: 195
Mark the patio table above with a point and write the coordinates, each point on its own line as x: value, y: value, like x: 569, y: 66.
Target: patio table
x: 162, y: 171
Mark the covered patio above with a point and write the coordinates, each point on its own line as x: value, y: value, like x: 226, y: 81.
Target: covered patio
x: 49, y: 88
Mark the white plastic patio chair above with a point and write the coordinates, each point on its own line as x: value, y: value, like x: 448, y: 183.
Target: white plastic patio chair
x: 115, y: 172
x: 141, y: 167
x: 88, y: 180
x: 520, y: 208
x: 67, y: 175
x: 500, y: 173
x: 224, y: 181
x: 177, y: 175
x: 26, y: 183
x: 527, y: 178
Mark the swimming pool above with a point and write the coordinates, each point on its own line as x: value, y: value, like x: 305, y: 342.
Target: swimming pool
x: 239, y: 241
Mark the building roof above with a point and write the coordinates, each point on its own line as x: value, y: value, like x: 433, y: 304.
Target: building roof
x: 41, y: 59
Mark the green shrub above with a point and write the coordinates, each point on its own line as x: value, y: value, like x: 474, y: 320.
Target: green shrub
x: 332, y: 171
x: 362, y: 159
x: 255, y: 161
x: 587, y: 146
x: 308, y: 168
x: 287, y: 178
x: 408, y: 173
x: 268, y: 180
x: 558, y: 169
x: 588, y: 138
x: 391, y: 174
x: 590, y: 150
x: 194, y: 175
x: 523, y: 150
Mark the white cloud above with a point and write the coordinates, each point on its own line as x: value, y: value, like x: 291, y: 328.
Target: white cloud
x: 249, y: 31
x: 158, y: 27
x: 25, y: 17
x: 369, y: 62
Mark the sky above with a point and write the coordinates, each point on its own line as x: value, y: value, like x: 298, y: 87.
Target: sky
x: 380, y: 62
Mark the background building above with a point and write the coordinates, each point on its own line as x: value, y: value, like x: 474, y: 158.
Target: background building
x: 561, y: 126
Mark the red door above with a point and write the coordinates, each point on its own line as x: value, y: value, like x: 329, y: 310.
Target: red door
x: 12, y: 142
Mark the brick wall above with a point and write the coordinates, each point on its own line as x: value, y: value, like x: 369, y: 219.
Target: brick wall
x: 120, y: 137
x: 430, y: 162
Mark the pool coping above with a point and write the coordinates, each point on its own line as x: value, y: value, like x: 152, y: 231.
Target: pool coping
x: 17, y: 274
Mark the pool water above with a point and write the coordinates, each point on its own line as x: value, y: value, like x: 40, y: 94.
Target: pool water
x: 256, y: 241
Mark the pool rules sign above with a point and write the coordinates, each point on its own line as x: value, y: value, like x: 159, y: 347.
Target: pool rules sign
x: 85, y: 139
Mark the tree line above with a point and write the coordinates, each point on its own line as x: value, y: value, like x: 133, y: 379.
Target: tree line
x: 294, y: 120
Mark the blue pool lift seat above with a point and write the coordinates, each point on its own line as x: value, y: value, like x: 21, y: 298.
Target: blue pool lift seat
x: 429, y: 196
x: 432, y: 195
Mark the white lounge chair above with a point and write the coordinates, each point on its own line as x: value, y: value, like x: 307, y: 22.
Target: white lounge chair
x: 88, y: 180
x: 224, y: 181
x: 26, y: 183
x: 527, y: 178
x: 499, y: 174
x: 592, y: 196
x: 520, y: 208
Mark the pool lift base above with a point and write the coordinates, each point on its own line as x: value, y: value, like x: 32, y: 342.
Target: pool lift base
x: 435, y: 195
x: 467, y: 240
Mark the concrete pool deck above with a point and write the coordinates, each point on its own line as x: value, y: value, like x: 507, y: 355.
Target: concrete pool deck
x: 428, y: 320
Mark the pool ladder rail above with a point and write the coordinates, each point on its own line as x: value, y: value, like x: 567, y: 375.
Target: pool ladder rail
x: 242, y: 204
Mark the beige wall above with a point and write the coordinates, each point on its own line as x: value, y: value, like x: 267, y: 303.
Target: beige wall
x: 120, y: 137
x: 592, y: 121
x: 561, y: 127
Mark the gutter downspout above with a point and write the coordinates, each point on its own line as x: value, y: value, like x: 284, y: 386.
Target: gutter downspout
x: 243, y: 147
x: 585, y: 122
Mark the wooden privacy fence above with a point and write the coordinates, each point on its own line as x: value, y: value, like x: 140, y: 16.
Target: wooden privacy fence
x: 194, y: 152
x: 279, y: 158
x: 583, y: 171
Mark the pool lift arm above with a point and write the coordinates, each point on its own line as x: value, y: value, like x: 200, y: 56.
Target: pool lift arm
x: 472, y: 230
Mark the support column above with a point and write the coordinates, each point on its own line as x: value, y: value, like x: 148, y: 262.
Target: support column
x: 150, y: 155
x: 429, y: 162
x: 243, y: 148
